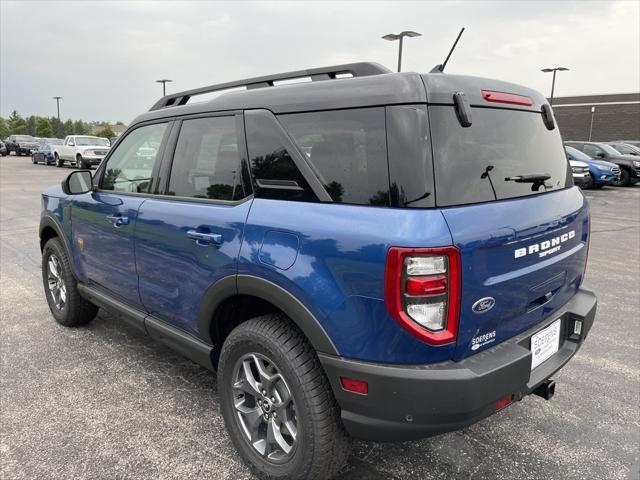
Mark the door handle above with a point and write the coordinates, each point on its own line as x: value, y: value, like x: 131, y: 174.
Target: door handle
x: 118, y: 220
x: 204, y: 239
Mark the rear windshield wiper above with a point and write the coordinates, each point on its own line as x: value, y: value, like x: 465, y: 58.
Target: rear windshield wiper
x: 537, y: 179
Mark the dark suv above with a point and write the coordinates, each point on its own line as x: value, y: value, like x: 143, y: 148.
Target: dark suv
x: 388, y: 256
x: 21, y: 144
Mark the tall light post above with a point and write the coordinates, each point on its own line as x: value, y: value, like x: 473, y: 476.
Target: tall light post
x: 553, y: 82
x: 57, y: 99
x: 593, y: 112
x: 400, y: 36
x: 164, y: 82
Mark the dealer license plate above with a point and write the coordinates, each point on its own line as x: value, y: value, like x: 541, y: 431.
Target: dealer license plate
x: 545, y: 343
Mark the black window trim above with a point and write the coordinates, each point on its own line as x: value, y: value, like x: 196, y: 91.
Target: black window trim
x: 97, y: 178
x: 162, y: 188
x: 299, y: 159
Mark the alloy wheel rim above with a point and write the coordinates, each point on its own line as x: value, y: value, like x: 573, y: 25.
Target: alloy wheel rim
x: 264, y: 408
x: 57, y: 287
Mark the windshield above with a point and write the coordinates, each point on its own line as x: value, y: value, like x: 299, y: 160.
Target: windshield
x: 486, y: 161
x: 54, y: 141
x: 92, y: 141
x: 577, y: 154
x: 25, y: 138
x: 608, y: 148
x: 625, y: 149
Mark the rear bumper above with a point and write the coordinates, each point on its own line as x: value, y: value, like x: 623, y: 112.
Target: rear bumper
x: 408, y: 402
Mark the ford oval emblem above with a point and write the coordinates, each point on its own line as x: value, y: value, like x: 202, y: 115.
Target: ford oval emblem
x: 483, y: 305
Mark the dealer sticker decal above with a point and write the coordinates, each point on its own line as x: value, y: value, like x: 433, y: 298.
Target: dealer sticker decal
x: 482, y: 340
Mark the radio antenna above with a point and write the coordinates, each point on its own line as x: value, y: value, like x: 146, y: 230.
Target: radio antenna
x: 440, y: 68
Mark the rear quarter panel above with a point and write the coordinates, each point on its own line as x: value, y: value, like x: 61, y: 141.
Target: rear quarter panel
x: 336, y: 268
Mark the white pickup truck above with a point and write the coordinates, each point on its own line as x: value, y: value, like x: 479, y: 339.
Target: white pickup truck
x: 81, y: 150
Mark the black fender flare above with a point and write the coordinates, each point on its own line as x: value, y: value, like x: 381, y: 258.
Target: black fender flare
x: 48, y: 221
x: 269, y: 292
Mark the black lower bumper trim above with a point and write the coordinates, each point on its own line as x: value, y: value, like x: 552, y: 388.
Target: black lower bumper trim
x: 408, y: 402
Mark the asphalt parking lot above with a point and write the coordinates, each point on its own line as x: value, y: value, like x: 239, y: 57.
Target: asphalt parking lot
x: 103, y: 401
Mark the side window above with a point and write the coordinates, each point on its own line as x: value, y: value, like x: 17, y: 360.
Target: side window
x: 275, y: 174
x: 206, y: 162
x: 348, y: 150
x: 592, y: 150
x: 130, y: 165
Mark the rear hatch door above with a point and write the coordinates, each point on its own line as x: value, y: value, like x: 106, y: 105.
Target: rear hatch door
x: 522, y: 244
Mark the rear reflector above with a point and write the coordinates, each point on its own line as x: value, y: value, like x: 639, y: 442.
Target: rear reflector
x: 503, y: 97
x: 355, y: 386
x: 504, y: 402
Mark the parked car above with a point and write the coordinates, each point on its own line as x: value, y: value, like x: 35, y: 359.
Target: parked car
x: 629, y: 165
x: 580, y: 173
x: 43, y: 154
x: 81, y: 150
x: 626, y: 149
x: 416, y: 271
x: 3, y: 149
x: 601, y: 172
x: 635, y: 143
x: 21, y: 144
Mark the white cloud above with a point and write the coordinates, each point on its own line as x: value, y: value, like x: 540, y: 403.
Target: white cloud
x: 103, y: 57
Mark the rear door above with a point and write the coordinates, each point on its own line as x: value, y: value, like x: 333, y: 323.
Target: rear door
x: 522, y: 244
x: 103, y: 222
x: 189, y: 237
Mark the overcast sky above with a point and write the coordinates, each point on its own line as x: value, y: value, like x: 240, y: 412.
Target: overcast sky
x: 103, y: 56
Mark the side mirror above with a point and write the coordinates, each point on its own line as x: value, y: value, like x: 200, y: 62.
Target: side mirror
x: 600, y: 155
x: 77, y: 182
x: 72, y: 144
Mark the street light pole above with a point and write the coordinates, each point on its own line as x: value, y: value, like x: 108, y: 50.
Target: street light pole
x: 593, y: 112
x: 553, y: 81
x: 400, y: 36
x: 57, y: 99
x: 164, y: 83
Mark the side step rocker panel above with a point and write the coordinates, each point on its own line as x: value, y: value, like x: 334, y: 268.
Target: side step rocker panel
x: 174, y: 338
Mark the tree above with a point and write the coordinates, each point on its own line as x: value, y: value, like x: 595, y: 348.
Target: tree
x: 43, y: 128
x: 80, y: 128
x: 4, y: 129
x: 16, y: 124
x: 68, y: 127
x: 57, y: 127
x: 105, y: 132
x: 31, y: 125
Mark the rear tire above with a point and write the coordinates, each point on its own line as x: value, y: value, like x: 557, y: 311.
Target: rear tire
x: 320, y: 447
x: 61, y: 288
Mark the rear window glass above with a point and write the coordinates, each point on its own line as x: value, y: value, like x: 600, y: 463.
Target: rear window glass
x: 347, y: 149
x: 472, y: 164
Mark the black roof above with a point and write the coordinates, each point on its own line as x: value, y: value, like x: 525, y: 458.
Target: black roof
x: 371, y: 85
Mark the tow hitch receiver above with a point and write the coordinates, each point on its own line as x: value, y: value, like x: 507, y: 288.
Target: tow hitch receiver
x: 546, y: 390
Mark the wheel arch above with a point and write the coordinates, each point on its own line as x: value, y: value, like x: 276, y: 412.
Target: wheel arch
x: 235, y: 299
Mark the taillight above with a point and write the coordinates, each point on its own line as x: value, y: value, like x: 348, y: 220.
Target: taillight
x: 422, y: 291
x: 504, y: 97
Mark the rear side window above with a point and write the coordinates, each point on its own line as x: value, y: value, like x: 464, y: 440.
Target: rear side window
x: 472, y: 164
x: 206, y: 162
x: 275, y: 175
x: 347, y: 149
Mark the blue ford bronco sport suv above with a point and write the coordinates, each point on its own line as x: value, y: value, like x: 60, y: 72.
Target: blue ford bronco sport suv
x: 385, y: 256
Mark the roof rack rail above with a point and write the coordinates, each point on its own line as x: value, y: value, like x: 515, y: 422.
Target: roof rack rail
x: 360, y: 69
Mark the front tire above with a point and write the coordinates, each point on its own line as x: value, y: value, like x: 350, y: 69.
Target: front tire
x: 625, y: 179
x: 277, y: 403
x: 61, y: 288
x: 58, y: 161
